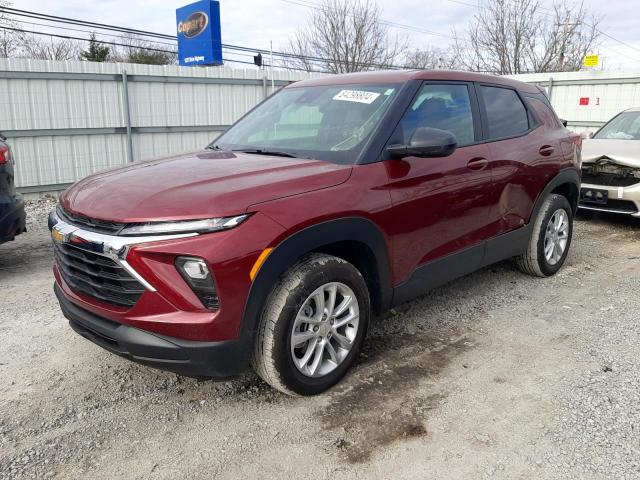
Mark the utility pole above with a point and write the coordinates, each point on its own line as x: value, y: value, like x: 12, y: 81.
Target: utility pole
x: 565, y: 40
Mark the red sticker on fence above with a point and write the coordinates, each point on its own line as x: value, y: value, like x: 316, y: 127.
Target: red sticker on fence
x: 584, y: 100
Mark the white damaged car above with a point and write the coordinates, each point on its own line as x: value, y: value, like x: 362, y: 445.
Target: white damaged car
x: 611, y: 166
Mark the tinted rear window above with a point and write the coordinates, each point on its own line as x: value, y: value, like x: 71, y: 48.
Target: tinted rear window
x: 506, y: 114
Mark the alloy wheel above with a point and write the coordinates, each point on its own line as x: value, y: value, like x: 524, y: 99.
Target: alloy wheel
x: 556, y: 236
x: 325, y: 329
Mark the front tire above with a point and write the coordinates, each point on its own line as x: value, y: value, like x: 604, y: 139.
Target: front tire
x: 550, y: 239
x: 312, y: 326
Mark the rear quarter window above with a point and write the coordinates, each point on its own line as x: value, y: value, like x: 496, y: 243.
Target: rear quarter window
x: 506, y: 114
x: 544, y: 112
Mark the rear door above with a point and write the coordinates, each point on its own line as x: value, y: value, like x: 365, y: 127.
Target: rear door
x: 522, y: 155
x: 439, y: 205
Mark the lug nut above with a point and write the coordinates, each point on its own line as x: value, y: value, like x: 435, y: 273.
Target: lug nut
x: 315, y: 329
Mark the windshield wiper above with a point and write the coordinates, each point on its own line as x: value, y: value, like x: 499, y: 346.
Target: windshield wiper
x: 260, y: 151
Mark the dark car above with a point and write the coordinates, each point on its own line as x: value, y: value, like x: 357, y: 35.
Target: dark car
x: 330, y: 202
x: 12, y: 214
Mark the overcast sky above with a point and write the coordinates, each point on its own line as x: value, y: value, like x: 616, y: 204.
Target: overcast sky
x: 253, y: 23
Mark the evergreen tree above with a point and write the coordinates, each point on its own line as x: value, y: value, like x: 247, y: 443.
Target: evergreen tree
x: 97, y: 52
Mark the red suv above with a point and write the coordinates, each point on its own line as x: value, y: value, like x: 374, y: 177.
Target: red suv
x: 331, y: 201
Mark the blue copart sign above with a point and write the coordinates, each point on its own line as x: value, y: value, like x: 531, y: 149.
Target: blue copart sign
x: 199, y: 38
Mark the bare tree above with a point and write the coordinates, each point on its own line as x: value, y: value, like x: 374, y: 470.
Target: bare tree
x: 430, y: 58
x: 10, y: 40
x: 49, y: 48
x: 139, y: 50
x: 14, y: 43
x: 518, y: 36
x: 344, y: 36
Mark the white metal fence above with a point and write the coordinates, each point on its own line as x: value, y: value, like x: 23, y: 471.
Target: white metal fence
x: 588, y: 99
x: 66, y: 120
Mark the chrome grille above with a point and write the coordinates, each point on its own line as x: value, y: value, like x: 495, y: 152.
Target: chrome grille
x: 96, y: 276
x: 91, y: 224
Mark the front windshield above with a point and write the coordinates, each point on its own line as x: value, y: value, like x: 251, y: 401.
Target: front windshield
x: 625, y: 126
x: 330, y: 122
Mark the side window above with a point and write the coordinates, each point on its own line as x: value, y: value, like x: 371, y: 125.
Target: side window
x: 506, y: 114
x: 446, y: 107
x: 544, y: 112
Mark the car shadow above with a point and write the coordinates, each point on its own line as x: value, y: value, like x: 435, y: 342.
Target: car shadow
x: 626, y: 222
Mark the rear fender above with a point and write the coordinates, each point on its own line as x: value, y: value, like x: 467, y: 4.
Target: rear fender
x: 569, y: 176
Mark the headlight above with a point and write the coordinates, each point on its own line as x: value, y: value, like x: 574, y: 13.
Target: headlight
x: 183, y: 226
x: 197, y: 275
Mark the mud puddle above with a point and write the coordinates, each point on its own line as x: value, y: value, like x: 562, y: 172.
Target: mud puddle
x: 382, y: 402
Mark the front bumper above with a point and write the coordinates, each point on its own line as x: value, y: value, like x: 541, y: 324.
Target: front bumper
x: 168, y: 306
x: 622, y: 200
x: 185, y: 357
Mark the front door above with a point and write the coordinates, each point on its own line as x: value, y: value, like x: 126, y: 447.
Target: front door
x: 440, y: 206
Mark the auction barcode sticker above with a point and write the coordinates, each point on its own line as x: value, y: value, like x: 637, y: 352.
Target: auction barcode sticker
x: 358, y: 96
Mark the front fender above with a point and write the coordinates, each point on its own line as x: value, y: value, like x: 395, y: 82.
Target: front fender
x: 309, y: 239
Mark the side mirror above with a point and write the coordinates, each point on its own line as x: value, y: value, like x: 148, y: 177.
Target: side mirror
x: 426, y: 142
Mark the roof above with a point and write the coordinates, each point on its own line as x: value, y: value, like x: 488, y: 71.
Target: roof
x: 402, y: 76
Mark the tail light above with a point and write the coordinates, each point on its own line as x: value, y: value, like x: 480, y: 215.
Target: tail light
x: 577, y: 139
x: 4, y: 154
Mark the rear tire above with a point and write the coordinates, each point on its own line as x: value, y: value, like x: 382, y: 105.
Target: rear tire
x: 550, y: 238
x: 302, y: 322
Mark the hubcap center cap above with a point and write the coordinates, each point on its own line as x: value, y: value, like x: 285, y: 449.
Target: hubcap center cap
x: 324, y: 330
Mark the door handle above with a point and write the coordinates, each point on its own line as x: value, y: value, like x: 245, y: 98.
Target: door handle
x: 478, y: 163
x: 546, y: 150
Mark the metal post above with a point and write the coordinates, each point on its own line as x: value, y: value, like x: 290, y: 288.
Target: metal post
x: 273, y: 87
x: 264, y: 86
x: 127, y: 115
x: 550, y: 89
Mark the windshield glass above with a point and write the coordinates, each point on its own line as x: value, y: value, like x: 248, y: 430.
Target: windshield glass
x: 625, y: 126
x: 330, y: 122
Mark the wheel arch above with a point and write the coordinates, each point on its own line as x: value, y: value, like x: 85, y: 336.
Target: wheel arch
x: 355, y: 239
x: 571, y: 192
x: 565, y: 183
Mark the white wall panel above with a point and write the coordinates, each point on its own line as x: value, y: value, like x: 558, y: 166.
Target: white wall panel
x: 609, y: 93
x: 48, y: 107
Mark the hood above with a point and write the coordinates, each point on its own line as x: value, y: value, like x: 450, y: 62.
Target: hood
x: 622, y: 152
x: 202, y: 184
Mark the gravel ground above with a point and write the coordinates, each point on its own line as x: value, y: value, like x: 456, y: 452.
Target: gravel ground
x: 496, y: 375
